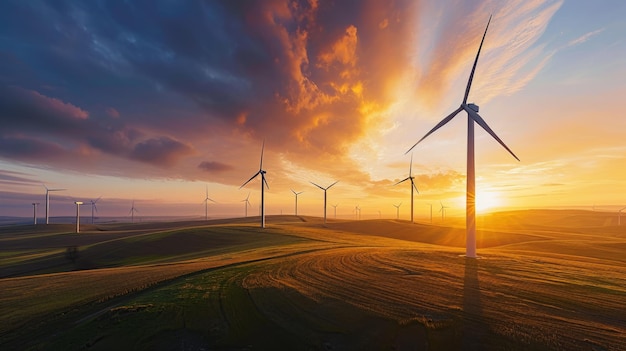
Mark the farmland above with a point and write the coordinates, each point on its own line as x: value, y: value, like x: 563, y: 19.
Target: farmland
x: 545, y: 281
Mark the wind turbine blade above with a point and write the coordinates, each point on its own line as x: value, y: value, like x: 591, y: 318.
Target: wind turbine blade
x: 262, y: 149
x: 439, y: 125
x: 481, y: 122
x: 293, y: 192
x: 471, y: 77
x: 332, y: 185
x: 414, y: 186
x: 403, y: 180
x: 254, y: 176
x: 411, y: 167
x: 208, y: 198
x: 264, y: 181
x: 98, y: 199
x: 248, y: 197
x: 317, y: 186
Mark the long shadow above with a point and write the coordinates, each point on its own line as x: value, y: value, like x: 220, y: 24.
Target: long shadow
x: 475, y: 329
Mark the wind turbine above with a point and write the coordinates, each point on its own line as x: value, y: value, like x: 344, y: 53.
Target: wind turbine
x: 619, y: 216
x: 335, y: 206
x: 295, y: 193
x: 328, y: 187
x: 78, y: 203
x: 263, y: 184
x: 473, y: 117
x: 206, y: 203
x: 443, y: 211
x: 35, y: 204
x: 398, y: 210
x: 48, y: 199
x: 247, y: 204
x: 358, y: 211
x: 93, y: 207
x: 132, y: 212
x: 410, y: 177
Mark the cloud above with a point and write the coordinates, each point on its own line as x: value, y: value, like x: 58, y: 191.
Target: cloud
x: 161, y: 151
x: 16, y: 178
x: 213, y: 166
x: 585, y: 37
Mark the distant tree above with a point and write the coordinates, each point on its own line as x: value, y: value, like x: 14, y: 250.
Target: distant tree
x: 72, y: 253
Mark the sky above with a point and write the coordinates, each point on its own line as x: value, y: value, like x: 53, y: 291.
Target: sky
x: 157, y: 102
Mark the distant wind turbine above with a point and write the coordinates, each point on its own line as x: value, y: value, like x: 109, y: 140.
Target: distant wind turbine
x: 335, y: 206
x: 247, y: 204
x: 443, y: 211
x: 473, y: 117
x: 206, y: 203
x: 358, y: 211
x: 380, y: 215
x: 132, y: 212
x: 325, y: 189
x: 619, y: 216
x: 410, y: 177
x: 35, y: 204
x: 48, y: 200
x: 78, y: 203
x: 263, y: 185
x: 296, y: 194
x: 93, y: 207
x: 398, y: 210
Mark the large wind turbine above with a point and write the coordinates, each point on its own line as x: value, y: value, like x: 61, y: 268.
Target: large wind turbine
x: 472, y: 117
x: 93, y: 207
x: 206, y: 203
x: 410, y: 177
x: 247, y: 204
x: 48, y: 199
x: 132, y: 212
x: 398, y: 210
x: 295, y: 193
x: 263, y: 185
x: 328, y: 187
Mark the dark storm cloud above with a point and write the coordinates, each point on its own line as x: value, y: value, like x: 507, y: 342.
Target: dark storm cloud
x: 161, y: 151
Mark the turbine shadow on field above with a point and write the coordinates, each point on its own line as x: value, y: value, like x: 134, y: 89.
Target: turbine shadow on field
x: 473, y: 324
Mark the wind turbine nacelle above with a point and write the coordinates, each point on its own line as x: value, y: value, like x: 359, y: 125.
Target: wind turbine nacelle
x: 473, y: 107
x: 78, y: 202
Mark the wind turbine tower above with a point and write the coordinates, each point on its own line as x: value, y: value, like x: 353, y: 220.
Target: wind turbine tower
x: 325, y: 189
x: 619, y: 216
x: 472, y: 117
x: 48, y: 200
x: 335, y: 206
x: 93, y: 207
x: 78, y: 203
x: 35, y: 204
x: 411, y: 178
x: 443, y: 211
x: 263, y: 185
x: 206, y: 203
x: 398, y: 210
x: 296, y: 194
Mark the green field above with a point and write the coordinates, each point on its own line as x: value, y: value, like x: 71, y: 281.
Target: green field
x: 542, y: 283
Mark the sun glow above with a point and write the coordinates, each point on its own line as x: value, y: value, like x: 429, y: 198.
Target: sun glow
x: 487, y: 201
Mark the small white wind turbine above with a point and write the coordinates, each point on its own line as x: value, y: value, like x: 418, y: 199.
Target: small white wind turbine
x: 325, y: 189
x: 296, y: 194
x: 35, y: 204
x: 48, y: 200
x: 246, y: 204
x: 78, y: 203
x: 335, y: 206
x: 263, y: 185
x: 132, y: 212
x: 206, y: 203
x: 472, y: 117
x: 94, y: 208
x: 619, y: 216
x: 398, y: 210
x: 410, y: 177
